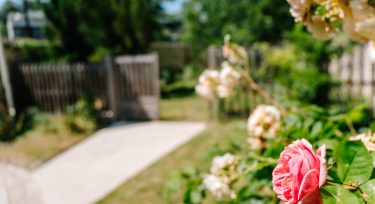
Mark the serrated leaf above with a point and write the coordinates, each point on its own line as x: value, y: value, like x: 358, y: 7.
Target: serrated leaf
x: 369, y: 189
x: 338, y: 195
x: 354, y: 162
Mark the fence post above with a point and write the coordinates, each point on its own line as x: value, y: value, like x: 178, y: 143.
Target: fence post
x: 110, y: 66
x: 6, y: 81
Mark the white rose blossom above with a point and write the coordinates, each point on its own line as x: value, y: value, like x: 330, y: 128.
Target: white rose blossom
x: 228, y: 76
x: 217, y: 186
x: 218, y: 181
x: 299, y: 8
x: 224, y: 91
x: 219, y: 163
x: 320, y: 28
x: 208, y: 82
x: 213, y: 83
x: 264, y: 122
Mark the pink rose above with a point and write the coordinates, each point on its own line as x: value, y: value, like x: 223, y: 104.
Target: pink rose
x: 299, y: 173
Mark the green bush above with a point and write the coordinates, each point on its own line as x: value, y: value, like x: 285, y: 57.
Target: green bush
x: 82, y: 116
x: 288, y: 68
x: 318, y: 125
x: 13, y: 127
x: 182, y: 88
x: 35, y: 50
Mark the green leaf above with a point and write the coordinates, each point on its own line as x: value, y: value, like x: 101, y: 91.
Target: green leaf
x: 368, y: 188
x: 338, y: 195
x: 354, y: 162
x: 317, y: 128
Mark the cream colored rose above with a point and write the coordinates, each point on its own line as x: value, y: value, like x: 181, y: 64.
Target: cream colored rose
x: 264, y: 122
x: 228, y: 76
x: 299, y: 8
x: 320, y: 28
x: 222, y: 163
x: 208, y: 82
x: 217, y: 186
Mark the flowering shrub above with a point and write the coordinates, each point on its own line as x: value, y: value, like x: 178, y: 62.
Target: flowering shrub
x: 279, y: 155
x: 215, y: 84
x: 289, y: 169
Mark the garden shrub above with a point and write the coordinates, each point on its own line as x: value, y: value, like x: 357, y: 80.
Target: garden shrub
x: 83, y: 116
x: 35, y: 50
x: 281, y: 160
x: 12, y: 127
x: 288, y: 67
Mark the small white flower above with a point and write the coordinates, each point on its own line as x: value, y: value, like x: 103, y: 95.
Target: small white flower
x: 255, y: 143
x: 228, y: 76
x: 205, y: 91
x: 217, y: 186
x: 221, y: 162
x: 208, y: 82
x: 320, y: 28
x: 299, y: 8
x: 224, y: 91
x: 209, y: 77
x: 264, y: 122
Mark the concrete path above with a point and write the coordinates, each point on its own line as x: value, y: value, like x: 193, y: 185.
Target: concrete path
x: 17, y: 186
x: 97, y: 166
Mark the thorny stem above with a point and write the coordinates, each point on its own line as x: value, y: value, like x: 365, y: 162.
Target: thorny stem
x: 347, y: 186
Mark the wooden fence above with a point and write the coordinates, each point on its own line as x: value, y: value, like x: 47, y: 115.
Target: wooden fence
x: 356, y: 73
x: 128, y: 86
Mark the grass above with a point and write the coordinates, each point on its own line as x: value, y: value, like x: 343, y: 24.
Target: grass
x: 190, y: 108
x: 40, y: 143
x: 148, y: 186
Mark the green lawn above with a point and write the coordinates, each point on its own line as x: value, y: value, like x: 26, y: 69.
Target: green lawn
x: 147, y: 187
x: 191, y: 108
x: 40, y: 143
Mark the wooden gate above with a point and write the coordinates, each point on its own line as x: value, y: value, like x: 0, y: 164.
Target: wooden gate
x: 136, y: 84
x: 128, y: 85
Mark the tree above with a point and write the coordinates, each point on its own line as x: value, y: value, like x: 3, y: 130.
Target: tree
x: 8, y: 6
x: 85, y: 28
x: 207, y: 21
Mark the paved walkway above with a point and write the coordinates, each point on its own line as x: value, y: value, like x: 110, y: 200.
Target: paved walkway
x: 17, y: 186
x: 97, y: 166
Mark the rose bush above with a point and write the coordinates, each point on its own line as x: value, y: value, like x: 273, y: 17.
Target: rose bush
x: 280, y: 152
